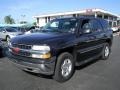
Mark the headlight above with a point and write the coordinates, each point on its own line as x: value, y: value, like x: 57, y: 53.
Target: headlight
x: 43, y: 52
x: 41, y: 48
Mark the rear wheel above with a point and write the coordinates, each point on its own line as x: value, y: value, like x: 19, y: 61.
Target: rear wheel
x: 64, y: 67
x: 1, y: 54
x: 106, y: 51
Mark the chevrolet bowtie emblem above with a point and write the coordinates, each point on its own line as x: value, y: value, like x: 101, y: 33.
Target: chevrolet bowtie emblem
x: 16, y: 50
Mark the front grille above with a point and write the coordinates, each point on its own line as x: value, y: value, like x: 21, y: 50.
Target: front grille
x: 22, y: 53
x: 24, y: 49
x: 22, y: 46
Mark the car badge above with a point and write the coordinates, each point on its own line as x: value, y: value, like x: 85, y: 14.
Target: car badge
x: 16, y: 50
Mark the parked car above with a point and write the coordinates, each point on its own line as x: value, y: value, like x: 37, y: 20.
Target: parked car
x: 20, y: 29
x: 61, y: 45
x: 1, y: 48
x: 115, y: 29
x: 6, y: 33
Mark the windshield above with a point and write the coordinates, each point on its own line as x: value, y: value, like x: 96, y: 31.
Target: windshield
x: 20, y: 29
x: 11, y: 30
x: 61, y: 25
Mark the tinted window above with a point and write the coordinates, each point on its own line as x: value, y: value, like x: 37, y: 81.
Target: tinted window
x: 1, y: 29
x: 61, y: 25
x: 105, y: 24
x: 96, y: 26
x: 86, y: 25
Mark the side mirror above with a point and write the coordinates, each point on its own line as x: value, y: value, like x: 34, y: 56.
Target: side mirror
x: 87, y: 31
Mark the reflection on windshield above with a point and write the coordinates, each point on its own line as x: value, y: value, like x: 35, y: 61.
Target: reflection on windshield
x: 60, y: 25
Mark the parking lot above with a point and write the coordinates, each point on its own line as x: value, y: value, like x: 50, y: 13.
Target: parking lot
x: 98, y: 75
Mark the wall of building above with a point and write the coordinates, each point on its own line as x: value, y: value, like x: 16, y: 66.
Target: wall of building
x: 41, y: 22
x: 112, y: 20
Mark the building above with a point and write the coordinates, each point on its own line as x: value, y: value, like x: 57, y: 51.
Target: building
x: 110, y: 17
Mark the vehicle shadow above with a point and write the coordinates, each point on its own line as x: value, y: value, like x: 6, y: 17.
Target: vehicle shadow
x: 76, y: 68
x: 3, y: 52
x: 39, y: 75
x: 85, y: 65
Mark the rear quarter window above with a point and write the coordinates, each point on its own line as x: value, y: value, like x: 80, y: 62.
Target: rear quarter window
x: 105, y: 25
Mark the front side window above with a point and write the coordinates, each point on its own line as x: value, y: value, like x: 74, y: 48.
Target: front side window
x: 86, y: 25
x: 61, y: 25
x: 2, y: 29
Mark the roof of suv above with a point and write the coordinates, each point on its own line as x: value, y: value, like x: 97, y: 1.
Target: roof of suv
x: 81, y: 17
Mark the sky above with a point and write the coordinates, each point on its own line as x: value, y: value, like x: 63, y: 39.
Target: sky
x: 29, y: 8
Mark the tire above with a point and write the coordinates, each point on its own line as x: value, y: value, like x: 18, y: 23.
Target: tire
x: 7, y: 38
x: 64, y: 67
x: 106, y: 51
x: 1, y: 52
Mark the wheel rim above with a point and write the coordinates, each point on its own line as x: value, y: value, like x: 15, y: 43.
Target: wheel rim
x: 107, y: 51
x: 66, y: 67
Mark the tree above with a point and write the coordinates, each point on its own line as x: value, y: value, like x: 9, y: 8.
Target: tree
x: 34, y: 23
x: 9, y: 20
x: 23, y: 22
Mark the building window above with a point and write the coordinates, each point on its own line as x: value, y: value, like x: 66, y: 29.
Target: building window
x: 110, y: 18
x: 37, y: 20
x: 105, y: 17
x: 74, y: 15
x: 99, y: 16
x: 45, y: 19
x: 48, y: 19
x: 115, y: 18
x: 110, y: 23
x: 114, y: 24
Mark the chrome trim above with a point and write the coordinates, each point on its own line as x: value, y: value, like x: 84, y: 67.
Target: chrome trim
x: 90, y: 48
x: 21, y: 45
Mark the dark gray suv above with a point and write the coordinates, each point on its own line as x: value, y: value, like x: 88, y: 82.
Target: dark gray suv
x: 1, y: 49
x: 61, y: 45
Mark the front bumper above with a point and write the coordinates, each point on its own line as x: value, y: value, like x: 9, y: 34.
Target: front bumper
x: 33, y: 65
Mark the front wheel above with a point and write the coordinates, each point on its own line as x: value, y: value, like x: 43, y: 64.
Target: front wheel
x: 64, y: 67
x: 106, y: 51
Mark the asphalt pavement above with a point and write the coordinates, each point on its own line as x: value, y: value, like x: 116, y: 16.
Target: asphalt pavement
x: 97, y: 75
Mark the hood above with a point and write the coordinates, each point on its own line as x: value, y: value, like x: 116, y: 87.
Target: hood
x: 15, y: 33
x: 40, y: 38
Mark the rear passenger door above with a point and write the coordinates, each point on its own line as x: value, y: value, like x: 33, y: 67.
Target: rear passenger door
x: 96, y: 37
x: 90, y: 43
x: 98, y: 33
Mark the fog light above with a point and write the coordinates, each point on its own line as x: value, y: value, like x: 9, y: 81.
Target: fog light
x: 46, y: 56
x: 42, y: 56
